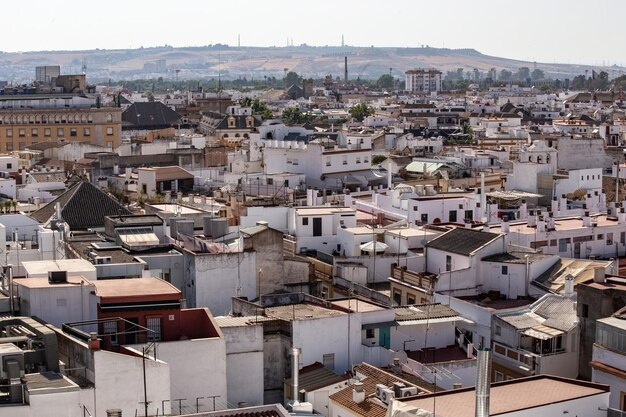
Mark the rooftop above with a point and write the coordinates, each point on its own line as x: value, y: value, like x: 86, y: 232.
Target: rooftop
x: 302, y: 312
x: 462, y: 241
x: 423, y: 312
x: 72, y: 266
x: 315, y: 211
x: 72, y: 281
x: 509, y: 396
x: 357, y: 305
x: 134, y: 287
x: 316, y: 376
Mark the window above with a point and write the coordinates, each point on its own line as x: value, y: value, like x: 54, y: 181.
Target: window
x: 87, y: 131
x: 505, y: 270
x: 370, y: 333
x: 9, y: 146
x: 563, y: 245
x: 9, y: 133
x: 110, y: 330
x: 9, y: 165
x: 498, y: 330
x: 448, y: 263
x: 73, y: 132
x: 452, y: 216
x: 109, y: 131
x: 109, y: 118
x: 22, y: 146
x: 22, y: 132
x: 424, y: 218
x: 305, y: 221
x: 410, y: 299
x: 585, y: 311
x: 600, y: 237
x: 499, y: 376
x: 154, y: 324
x: 414, y: 208
x: 329, y: 361
x: 46, y: 131
x: 469, y: 215
x: 60, y: 132
x: 397, y: 297
x: 34, y: 132
x: 270, y: 181
x: 609, y: 238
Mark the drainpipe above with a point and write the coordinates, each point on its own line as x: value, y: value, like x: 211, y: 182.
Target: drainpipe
x: 295, y: 374
x: 483, y: 381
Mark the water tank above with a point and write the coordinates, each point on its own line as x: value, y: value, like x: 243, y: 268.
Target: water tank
x: 174, y: 226
x: 185, y: 227
x: 430, y: 189
x: 215, y: 227
x: 419, y: 189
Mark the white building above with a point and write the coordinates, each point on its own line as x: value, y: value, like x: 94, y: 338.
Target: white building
x: 609, y: 357
x: 423, y: 80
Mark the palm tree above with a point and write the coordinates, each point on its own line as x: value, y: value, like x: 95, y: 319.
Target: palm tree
x: 14, y: 205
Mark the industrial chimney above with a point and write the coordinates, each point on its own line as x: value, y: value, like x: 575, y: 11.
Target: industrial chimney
x: 483, y: 382
x: 295, y: 374
x: 345, y: 69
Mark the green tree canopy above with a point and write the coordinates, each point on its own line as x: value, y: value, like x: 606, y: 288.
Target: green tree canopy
x: 293, y: 116
x: 292, y: 78
x: 537, y: 74
x: 385, y: 81
x: 360, y: 111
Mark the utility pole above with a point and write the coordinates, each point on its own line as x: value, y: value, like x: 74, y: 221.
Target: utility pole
x: 145, y: 390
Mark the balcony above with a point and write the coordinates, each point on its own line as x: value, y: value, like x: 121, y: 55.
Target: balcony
x: 523, y: 360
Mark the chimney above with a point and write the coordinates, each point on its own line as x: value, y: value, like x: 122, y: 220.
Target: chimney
x: 532, y: 219
x: 599, y: 275
x: 563, y: 204
x: 483, y: 382
x: 586, y: 219
x: 504, y: 226
x: 569, y: 285
x: 555, y: 205
x: 358, y: 393
x: 295, y: 374
x: 621, y: 216
x: 523, y: 210
x: 94, y: 342
x: 345, y: 69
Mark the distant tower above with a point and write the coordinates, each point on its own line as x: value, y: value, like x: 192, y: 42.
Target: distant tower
x: 345, y: 70
x: 342, y: 43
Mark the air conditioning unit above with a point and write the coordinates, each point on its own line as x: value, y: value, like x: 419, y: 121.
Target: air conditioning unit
x: 408, y: 392
x: 387, y: 395
x: 379, y: 390
x: 101, y: 260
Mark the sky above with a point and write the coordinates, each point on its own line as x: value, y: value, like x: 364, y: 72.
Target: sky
x: 572, y: 31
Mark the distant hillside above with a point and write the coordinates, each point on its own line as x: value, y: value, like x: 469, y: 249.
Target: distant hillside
x: 253, y: 62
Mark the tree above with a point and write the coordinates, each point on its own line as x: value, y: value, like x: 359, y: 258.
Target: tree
x: 522, y: 74
x: 14, y: 206
x: 292, y: 78
x: 385, y: 81
x: 259, y: 108
x: 579, y: 82
x: 505, y: 75
x: 293, y: 116
x: 360, y: 111
x: 377, y: 159
x: 537, y: 75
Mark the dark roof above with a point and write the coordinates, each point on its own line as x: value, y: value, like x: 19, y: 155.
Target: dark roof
x: 83, y: 206
x: 515, y: 257
x: 316, y: 376
x: 150, y: 115
x: 462, y: 241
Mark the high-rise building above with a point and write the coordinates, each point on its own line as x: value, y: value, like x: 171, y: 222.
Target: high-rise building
x: 47, y: 73
x: 423, y: 80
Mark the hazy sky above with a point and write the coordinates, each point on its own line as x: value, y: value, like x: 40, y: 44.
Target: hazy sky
x: 567, y: 31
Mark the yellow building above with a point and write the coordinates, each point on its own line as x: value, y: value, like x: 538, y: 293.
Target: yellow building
x: 22, y: 127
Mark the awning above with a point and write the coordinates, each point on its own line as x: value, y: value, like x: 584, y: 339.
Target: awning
x: 374, y: 246
x: 542, y: 332
x: 378, y: 325
x: 429, y: 321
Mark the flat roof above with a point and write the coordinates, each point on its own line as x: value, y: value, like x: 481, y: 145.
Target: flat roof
x: 72, y: 281
x: 363, y: 230
x: 131, y: 287
x: 302, y: 312
x: 571, y: 223
x: 413, y: 232
x: 312, y: 211
x: 357, y: 305
x: 69, y: 265
x: 177, y: 208
x: 509, y: 396
x: 614, y: 322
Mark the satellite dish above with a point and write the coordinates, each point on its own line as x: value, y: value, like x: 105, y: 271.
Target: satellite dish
x: 401, y: 356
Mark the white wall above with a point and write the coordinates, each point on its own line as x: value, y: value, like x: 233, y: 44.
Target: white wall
x: 616, y: 383
x: 119, y: 383
x: 244, y: 364
x: 337, y: 331
x: 275, y: 216
x: 197, y: 369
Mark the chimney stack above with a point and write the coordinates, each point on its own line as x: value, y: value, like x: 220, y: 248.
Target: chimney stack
x: 345, y: 74
x: 483, y: 382
x: 295, y: 374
